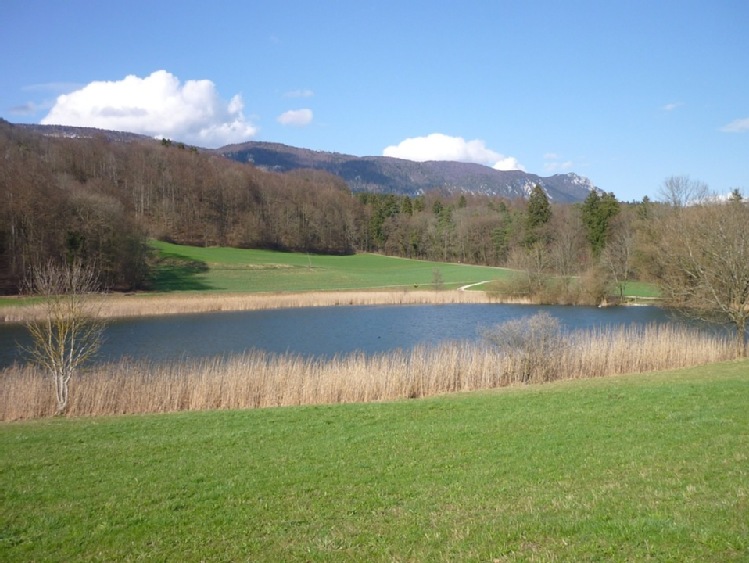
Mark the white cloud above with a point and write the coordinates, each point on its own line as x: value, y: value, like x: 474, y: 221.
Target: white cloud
x: 296, y: 117
x: 158, y: 105
x: 736, y: 126
x: 672, y: 106
x: 438, y: 146
x: 508, y: 163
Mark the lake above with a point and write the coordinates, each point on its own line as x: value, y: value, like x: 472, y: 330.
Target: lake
x: 323, y: 331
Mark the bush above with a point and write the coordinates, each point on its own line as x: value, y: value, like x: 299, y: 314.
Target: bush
x: 596, y: 285
x: 532, y: 345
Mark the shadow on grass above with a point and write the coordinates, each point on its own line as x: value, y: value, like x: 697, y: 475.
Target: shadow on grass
x: 172, y: 272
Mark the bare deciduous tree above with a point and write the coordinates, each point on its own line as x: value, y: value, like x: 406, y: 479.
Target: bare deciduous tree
x: 70, y: 331
x: 700, y: 260
x: 617, y: 256
x: 680, y: 191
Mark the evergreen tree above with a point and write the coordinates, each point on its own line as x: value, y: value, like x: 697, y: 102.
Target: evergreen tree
x: 539, y: 214
x: 407, y: 206
x: 597, y: 212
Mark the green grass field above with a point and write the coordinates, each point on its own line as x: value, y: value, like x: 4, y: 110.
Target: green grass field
x: 232, y: 269
x: 638, y: 289
x: 197, y: 269
x: 650, y: 467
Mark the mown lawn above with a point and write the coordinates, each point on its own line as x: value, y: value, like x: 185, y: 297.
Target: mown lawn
x: 627, y: 468
x: 232, y: 269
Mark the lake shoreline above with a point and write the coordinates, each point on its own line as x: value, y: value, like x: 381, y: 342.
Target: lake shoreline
x: 114, y: 306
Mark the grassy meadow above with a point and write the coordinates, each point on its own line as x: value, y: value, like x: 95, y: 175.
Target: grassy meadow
x: 184, y: 268
x: 637, y: 467
x: 188, y: 279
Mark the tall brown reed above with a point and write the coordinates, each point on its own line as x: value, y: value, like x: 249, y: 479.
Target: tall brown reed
x: 257, y: 379
x: 146, y: 305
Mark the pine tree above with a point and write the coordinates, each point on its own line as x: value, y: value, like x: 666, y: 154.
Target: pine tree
x: 597, y: 212
x: 539, y: 214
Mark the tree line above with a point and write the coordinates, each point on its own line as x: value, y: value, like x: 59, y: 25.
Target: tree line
x: 97, y: 201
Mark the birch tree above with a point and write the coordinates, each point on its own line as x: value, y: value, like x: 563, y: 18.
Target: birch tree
x: 69, y: 331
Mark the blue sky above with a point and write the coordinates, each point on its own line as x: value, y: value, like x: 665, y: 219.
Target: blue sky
x: 625, y: 93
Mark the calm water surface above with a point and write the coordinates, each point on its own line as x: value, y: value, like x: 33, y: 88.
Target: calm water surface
x: 323, y: 331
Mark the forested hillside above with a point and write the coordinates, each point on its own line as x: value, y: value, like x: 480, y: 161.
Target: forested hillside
x: 100, y: 198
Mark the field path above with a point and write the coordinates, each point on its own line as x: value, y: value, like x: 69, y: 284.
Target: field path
x: 463, y: 288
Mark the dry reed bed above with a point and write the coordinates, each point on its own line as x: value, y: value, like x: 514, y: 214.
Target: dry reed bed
x: 257, y: 380
x: 114, y: 306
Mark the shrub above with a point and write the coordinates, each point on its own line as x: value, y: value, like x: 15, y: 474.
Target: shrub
x: 532, y: 345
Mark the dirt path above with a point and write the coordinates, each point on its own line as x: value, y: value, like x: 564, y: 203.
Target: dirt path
x: 472, y: 285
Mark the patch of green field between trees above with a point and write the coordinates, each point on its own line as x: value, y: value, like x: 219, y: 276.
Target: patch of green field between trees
x: 651, y: 466
x: 223, y: 269
x: 183, y: 268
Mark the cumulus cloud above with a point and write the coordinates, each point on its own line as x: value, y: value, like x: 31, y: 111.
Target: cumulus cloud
x: 296, y: 117
x: 508, y: 163
x: 736, y: 126
x: 158, y: 105
x: 438, y: 146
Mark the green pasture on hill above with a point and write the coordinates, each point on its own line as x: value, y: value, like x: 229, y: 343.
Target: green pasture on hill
x: 190, y: 268
x: 646, y: 467
x: 181, y: 268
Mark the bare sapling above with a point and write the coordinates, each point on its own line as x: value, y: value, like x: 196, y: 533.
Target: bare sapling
x: 70, y: 331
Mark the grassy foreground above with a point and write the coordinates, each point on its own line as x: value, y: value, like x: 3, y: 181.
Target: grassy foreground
x: 625, y: 468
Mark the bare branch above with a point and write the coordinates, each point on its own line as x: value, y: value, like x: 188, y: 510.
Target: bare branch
x: 681, y: 191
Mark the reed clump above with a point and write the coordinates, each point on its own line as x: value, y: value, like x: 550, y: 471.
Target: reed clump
x: 258, y: 379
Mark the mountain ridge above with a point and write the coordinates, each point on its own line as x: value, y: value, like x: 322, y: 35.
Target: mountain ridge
x: 384, y: 174
x: 379, y: 174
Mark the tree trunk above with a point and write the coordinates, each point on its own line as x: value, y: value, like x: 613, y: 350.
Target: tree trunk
x: 741, y: 338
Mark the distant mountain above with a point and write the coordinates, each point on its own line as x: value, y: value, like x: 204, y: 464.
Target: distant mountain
x: 70, y: 132
x: 380, y: 174
x: 393, y: 175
